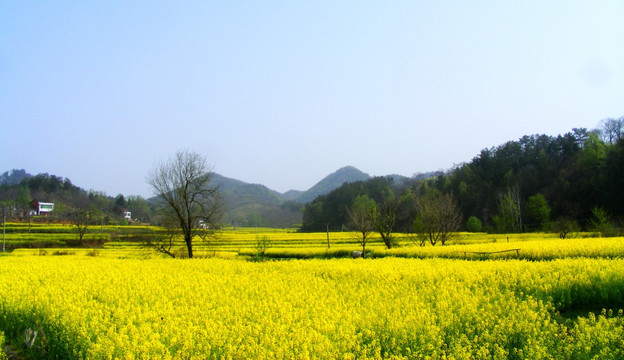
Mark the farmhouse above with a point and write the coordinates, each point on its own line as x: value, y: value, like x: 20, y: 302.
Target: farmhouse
x: 41, y: 208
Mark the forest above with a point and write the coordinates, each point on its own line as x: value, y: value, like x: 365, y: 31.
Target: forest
x: 18, y: 189
x: 537, y: 183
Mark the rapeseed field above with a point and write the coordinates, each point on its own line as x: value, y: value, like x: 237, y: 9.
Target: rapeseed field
x: 86, y: 307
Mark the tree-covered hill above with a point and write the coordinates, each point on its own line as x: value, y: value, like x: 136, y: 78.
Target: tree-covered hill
x: 255, y: 205
x: 68, y: 199
x: 347, y: 174
x: 575, y: 172
x: 245, y: 204
x: 574, y: 178
x: 13, y: 177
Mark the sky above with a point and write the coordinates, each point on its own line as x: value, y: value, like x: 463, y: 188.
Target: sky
x: 284, y: 93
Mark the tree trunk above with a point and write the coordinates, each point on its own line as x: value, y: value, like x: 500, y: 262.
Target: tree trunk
x: 364, y: 248
x: 189, y: 246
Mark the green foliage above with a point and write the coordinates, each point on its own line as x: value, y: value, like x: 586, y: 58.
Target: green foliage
x: 508, y: 219
x: 437, y: 218
x: 613, y: 188
x: 120, y: 200
x: 474, y: 224
x: 13, y: 177
x: 575, y: 171
x: 384, y: 219
x: 293, y: 206
x: 23, y: 196
x: 601, y: 223
x: 566, y: 228
x: 3, y: 355
x: 139, y: 207
x: 363, y: 202
x: 347, y: 174
x: 333, y: 208
x: 537, y: 212
x: 362, y: 219
x: 263, y: 243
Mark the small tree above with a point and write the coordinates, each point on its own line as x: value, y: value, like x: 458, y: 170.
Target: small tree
x: 601, y: 223
x: 23, y: 198
x: 509, y: 218
x: 81, y: 219
x: 361, y: 216
x: 437, y: 218
x: 537, y: 212
x: 263, y: 243
x: 384, y: 219
x: 474, y: 224
x: 566, y: 228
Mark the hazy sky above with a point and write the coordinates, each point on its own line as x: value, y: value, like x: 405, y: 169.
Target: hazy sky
x: 284, y: 93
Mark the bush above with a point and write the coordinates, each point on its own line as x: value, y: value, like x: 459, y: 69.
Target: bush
x: 3, y: 356
x: 263, y: 243
x: 474, y: 224
x: 566, y: 228
x: 601, y: 224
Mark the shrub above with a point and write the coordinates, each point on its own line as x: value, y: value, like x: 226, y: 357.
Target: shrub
x: 263, y: 243
x: 601, y: 224
x: 474, y: 224
x: 566, y: 228
x: 3, y: 356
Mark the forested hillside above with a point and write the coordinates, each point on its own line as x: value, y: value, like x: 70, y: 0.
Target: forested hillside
x: 68, y: 199
x: 245, y: 204
x: 525, y: 185
x: 575, y: 173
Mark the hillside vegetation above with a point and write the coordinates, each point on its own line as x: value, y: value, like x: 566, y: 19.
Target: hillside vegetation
x: 561, y: 183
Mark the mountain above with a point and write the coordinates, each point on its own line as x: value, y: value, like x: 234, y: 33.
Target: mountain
x: 245, y: 204
x: 331, y: 182
x: 292, y: 194
x: 256, y: 205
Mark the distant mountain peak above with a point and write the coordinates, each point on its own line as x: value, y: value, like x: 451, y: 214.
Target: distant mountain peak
x: 346, y: 174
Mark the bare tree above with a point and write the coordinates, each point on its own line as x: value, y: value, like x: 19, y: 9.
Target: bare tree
x: 187, y: 197
x: 437, y: 218
x: 164, y: 241
x: 82, y: 219
x: 361, y: 216
x: 612, y: 129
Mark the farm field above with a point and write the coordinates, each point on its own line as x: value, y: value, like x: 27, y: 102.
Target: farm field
x: 124, y: 242
x: 123, y: 301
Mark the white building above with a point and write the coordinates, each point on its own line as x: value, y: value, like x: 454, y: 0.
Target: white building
x: 42, y: 208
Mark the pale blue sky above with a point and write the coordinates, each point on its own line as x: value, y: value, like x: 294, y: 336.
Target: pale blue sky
x: 284, y: 93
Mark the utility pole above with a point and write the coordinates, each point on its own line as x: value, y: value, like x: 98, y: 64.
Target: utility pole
x: 327, y: 235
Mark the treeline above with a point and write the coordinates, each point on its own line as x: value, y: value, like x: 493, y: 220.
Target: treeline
x: 537, y: 183
x: 68, y: 199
